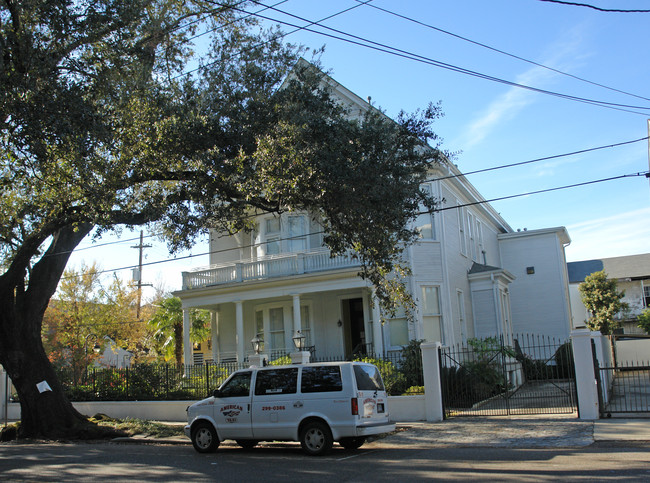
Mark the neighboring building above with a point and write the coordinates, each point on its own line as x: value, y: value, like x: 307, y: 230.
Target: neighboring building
x: 632, y: 274
x: 473, y: 276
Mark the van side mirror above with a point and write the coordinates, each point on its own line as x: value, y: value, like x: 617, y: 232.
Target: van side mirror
x: 216, y: 393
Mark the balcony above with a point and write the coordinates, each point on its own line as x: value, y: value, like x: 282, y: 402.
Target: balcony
x: 271, y: 266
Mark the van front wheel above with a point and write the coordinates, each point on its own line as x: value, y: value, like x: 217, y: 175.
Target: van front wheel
x: 352, y: 443
x: 316, y: 438
x: 204, y: 438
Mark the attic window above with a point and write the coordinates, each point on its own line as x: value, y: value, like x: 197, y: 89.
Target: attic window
x: 530, y: 270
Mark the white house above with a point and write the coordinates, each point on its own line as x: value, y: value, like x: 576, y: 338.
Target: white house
x: 472, y: 276
x: 632, y: 274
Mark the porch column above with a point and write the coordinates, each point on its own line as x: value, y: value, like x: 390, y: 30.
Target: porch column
x: 239, y: 325
x: 377, y: 341
x: 214, y: 332
x: 187, y: 345
x: 297, y: 322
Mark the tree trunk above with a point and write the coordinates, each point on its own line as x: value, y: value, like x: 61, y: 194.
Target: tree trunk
x: 45, y: 410
x: 178, y: 344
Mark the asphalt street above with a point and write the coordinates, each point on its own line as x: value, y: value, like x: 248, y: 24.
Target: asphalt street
x: 524, y: 449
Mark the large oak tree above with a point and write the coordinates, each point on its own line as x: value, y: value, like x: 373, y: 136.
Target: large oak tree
x: 100, y: 129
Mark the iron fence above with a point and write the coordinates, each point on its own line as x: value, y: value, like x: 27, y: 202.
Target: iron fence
x: 627, y: 388
x: 146, y: 382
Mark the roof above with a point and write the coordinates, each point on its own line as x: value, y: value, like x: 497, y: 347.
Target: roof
x: 632, y: 266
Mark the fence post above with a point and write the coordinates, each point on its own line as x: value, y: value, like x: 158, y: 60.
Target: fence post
x: 432, y: 383
x: 586, y: 383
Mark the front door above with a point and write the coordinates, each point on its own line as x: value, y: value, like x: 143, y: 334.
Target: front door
x: 354, y: 328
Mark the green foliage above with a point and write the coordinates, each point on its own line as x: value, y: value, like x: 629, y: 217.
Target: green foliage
x: 144, y: 382
x: 564, y: 362
x: 603, y: 302
x: 643, y: 320
x: 281, y: 361
x: 167, y: 325
x: 411, y: 363
x: 414, y: 390
x: 488, y: 348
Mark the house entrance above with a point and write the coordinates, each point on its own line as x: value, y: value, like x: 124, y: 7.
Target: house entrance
x: 353, y: 327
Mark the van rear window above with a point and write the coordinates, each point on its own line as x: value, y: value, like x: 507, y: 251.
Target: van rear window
x: 276, y: 381
x: 368, y: 378
x: 321, y: 379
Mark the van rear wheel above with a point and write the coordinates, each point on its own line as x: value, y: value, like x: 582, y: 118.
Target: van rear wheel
x: 352, y: 443
x: 316, y: 438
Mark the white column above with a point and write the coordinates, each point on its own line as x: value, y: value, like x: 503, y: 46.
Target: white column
x: 187, y: 345
x: 585, y: 377
x: 214, y: 332
x: 432, y: 383
x: 377, y: 341
x: 239, y: 324
x: 297, y: 322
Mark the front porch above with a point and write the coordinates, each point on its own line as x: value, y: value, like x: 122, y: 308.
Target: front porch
x: 333, y: 311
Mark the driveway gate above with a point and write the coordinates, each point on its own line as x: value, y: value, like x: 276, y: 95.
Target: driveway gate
x: 489, y: 377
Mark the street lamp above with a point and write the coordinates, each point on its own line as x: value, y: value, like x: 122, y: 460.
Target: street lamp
x: 96, y: 348
x: 257, y: 344
x: 298, y: 340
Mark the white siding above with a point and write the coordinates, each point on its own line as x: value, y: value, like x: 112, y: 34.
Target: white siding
x: 539, y: 300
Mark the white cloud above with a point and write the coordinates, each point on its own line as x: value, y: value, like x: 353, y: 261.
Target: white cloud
x: 613, y: 236
x: 508, y: 105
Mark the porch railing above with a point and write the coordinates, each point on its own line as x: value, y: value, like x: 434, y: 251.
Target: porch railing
x: 267, y: 267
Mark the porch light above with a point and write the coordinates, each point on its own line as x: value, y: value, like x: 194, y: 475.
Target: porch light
x: 97, y: 348
x: 299, y: 340
x: 257, y: 344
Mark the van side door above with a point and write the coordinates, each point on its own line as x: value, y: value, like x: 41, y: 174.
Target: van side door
x: 232, y: 407
x: 276, y: 406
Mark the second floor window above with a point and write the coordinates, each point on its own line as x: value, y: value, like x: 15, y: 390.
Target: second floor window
x: 282, y: 234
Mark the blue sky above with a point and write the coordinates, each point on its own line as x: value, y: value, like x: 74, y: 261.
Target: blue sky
x: 493, y: 124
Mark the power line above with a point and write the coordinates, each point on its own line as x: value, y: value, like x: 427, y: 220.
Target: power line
x: 521, y: 163
x: 426, y: 60
x: 614, y: 10
x: 446, y: 32
x: 277, y: 37
x: 547, y: 190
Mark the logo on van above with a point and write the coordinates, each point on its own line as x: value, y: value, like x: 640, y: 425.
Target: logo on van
x: 231, y: 410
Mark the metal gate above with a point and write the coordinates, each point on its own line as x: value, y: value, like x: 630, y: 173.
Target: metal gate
x: 489, y: 377
x: 624, y: 380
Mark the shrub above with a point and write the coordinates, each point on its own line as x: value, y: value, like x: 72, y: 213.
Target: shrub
x: 411, y: 363
x: 564, y: 363
x: 281, y: 361
x: 413, y: 390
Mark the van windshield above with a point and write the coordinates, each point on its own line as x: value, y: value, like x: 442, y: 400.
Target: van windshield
x: 368, y: 378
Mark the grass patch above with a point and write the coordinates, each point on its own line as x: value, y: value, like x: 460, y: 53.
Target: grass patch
x: 133, y: 427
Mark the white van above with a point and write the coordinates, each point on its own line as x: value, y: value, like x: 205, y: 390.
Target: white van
x: 315, y: 404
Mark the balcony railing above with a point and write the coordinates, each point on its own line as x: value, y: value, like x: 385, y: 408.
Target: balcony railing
x: 268, y: 267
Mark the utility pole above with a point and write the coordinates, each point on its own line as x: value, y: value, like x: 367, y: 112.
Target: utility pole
x: 647, y: 175
x: 137, y: 273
